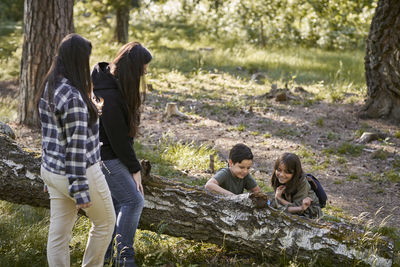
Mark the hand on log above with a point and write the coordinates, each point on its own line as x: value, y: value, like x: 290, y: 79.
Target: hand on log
x: 259, y: 199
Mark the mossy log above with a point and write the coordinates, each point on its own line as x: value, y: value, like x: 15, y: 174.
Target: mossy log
x: 235, y: 222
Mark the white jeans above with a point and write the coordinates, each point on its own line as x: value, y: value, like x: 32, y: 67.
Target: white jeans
x: 63, y: 215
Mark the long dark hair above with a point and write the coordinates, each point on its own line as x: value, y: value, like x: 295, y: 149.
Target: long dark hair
x: 128, y: 68
x: 71, y: 62
x: 293, y: 165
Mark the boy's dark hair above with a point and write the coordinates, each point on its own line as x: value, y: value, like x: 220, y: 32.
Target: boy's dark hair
x: 240, y: 152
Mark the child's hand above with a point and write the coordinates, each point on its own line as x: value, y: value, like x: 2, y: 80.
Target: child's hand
x: 83, y: 205
x: 306, y: 203
x: 279, y: 191
x: 259, y: 199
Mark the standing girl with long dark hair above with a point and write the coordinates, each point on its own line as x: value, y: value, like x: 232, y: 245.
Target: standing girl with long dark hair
x: 119, y: 85
x: 71, y: 155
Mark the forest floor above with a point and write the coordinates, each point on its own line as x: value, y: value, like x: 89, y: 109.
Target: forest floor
x: 358, y: 178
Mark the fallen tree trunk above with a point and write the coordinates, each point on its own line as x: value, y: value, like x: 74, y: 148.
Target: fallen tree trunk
x: 193, y: 213
x: 19, y: 175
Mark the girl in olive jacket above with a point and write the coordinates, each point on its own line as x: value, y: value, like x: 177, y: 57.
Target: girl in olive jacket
x: 293, y: 193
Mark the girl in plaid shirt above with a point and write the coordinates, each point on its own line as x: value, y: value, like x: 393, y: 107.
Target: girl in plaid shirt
x: 71, y: 155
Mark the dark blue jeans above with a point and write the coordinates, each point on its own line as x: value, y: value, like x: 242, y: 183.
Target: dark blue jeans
x: 128, y: 204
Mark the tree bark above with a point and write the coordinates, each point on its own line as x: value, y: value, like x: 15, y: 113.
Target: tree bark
x: 382, y: 62
x: 46, y: 22
x: 233, y: 222
x: 19, y: 175
x: 122, y: 24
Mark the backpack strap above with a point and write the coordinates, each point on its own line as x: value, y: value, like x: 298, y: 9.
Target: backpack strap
x: 318, y: 189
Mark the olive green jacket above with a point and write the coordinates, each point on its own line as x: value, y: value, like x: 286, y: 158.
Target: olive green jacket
x: 304, y: 190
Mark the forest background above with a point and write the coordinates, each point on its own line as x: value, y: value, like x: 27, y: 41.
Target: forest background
x: 221, y: 61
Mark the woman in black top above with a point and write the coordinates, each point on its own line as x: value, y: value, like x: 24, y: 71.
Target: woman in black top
x: 119, y: 84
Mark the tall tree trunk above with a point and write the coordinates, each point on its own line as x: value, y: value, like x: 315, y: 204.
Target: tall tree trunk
x: 235, y: 223
x: 122, y: 24
x: 46, y: 22
x: 382, y: 62
x: 262, y: 37
x: 217, y: 4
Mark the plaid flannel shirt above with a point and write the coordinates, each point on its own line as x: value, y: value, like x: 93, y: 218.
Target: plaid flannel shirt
x: 69, y: 144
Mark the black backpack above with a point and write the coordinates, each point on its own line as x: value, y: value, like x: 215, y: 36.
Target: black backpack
x: 318, y: 189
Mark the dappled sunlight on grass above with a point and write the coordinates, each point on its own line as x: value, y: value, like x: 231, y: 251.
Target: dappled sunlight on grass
x: 297, y: 65
x: 10, y: 49
x: 29, y: 248
x: 189, y: 156
x: 176, y: 159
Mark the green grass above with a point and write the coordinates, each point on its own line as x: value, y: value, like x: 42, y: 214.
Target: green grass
x: 239, y: 128
x: 396, y: 163
x: 8, y: 109
x: 23, y: 239
x: 23, y: 235
x: 360, y: 131
x: 386, y: 176
x: 341, y: 160
x: 332, y: 136
x: 188, y: 155
x: 316, y: 69
x: 394, y: 234
x: 345, y: 148
x: 309, y: 66
x: 155, y: 248
x: 380, y: 154
x: 306, y: 155
x: 287, y: 131
x: 392, y: 175
x: 350, y: 149
x: 177, y: 159
x: 267, y: 135
x: 10, y: 50
x: 352, y: 176
x: 319, y: 122
x: 335, y: 213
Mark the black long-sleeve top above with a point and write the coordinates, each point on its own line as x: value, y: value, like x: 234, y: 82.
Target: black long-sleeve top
x: 114, y: 123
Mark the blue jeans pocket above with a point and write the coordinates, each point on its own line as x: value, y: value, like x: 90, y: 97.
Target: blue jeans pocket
x: 105, y: 169
x: 121, y: 183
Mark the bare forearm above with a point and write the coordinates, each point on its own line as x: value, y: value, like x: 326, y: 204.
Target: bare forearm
x: 297, y: 209
x: 256, y: 189
x: 217, y: 189
x: 283, y: 201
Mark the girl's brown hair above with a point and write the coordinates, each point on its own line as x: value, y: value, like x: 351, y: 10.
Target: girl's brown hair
x: 293, y: 165
x: 128, y: 68
x: 72, y: 62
